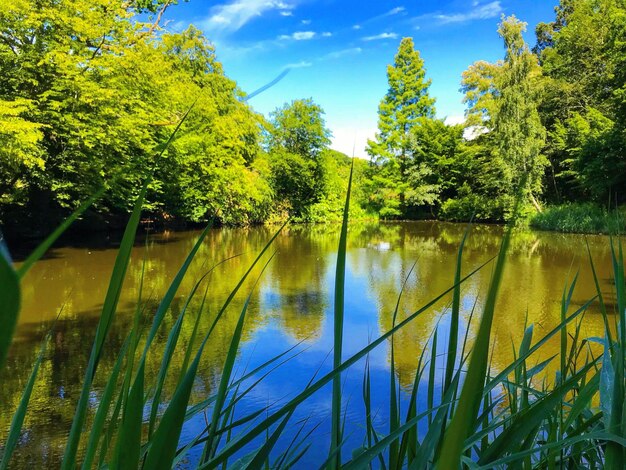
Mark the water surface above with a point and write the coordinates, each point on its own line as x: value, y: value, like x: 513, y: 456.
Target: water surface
x: 291, y: 306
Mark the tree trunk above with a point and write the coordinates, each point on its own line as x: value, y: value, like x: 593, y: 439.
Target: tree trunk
x: 535, y: 203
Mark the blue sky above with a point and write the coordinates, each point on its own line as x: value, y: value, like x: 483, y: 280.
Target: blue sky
x: 338, y: 50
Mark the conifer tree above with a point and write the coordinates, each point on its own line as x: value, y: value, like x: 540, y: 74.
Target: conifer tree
x: 406, y: 103
x: 398, y: 181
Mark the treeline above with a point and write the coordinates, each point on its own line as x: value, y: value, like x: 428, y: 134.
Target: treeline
x: 547, y: 122
x: 92, y: 89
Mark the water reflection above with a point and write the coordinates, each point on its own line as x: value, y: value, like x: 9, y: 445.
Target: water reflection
x: 292, y: 303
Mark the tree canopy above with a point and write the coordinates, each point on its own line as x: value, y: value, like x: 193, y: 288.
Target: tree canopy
x: 91, y: 89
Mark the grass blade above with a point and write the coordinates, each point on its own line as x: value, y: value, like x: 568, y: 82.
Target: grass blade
x: 453, y: 338
x: 129, y: 438
x: 106, y: 319
x: 103, y: 409
x: 164, y: 441
x: 340, y: 282
x: 469, y: 402
x: 227, y: 371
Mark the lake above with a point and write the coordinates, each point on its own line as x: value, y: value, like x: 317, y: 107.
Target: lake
x: 291, y: 307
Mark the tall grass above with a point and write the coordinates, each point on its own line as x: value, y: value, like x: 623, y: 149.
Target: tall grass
x: 579, y: 218
x: 475, y: 417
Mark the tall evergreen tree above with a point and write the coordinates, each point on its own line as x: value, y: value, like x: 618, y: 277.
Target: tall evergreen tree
x: 399, y: 180
x: 406, y: 103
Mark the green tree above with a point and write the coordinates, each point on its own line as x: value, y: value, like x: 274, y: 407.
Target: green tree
x: 517, y: 125
x: 582, y: 55
x: 400, y: 178
x: 436, y: 165
x: 503, y: 100
x: 299, y: 128
x: 297, y: 138
x: 405, y: 104
x: 91, y: 89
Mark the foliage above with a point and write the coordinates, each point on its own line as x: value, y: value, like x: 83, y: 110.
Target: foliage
x: 297, y: 140
x: 299, y: 128
x: 75, y: 122
x: 92, y: 88
x: 581, y: 53
x: 579, y: 218
x: 330, y: 207
x: 503, y: 99
x: 412, y: 148
x: 516, y: 124
x: 405, y: 104
x: 469, y: 205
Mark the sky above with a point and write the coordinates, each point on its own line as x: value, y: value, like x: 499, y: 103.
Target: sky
x: 337, y: 51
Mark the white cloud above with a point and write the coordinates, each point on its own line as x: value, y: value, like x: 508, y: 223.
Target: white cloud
x: 229, y: 49
x: 178, y: 26
x: 342, y: 53
x: 380, y: 36
x: 394, y: 11
x: 473, y: 132
x: 305, y: 21
x: 479, y: 12
x: 232, y: 16
x: 327, y: 34
x: 298, y: 36
x: 286, y: 13
x: 299, y: 65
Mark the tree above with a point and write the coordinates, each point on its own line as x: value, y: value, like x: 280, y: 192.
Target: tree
x: 438, y: 163
x: 583, y: 62
x: 297, y: 139
x: 92, y: 88
x: 517, y: 125
x: 405, y: 104
x: 402, y: 173
x: 299, y: 128
x: 503, y: 99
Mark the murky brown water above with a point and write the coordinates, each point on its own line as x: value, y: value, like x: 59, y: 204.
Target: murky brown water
x: 293, y: 302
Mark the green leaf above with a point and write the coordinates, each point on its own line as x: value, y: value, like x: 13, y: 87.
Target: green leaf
x: 165, y: 439
x: 340, y: 281
x: 469, y: 402
x: 129, y: 437
x: 106, y: 319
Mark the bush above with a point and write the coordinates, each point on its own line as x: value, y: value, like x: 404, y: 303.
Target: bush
x: 579, y: 218
x: 474, y: 207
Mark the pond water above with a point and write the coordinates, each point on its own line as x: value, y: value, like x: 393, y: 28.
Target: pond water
x: 291, y: 305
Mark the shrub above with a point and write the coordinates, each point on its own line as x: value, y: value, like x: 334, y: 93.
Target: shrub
x: 578, y: 218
